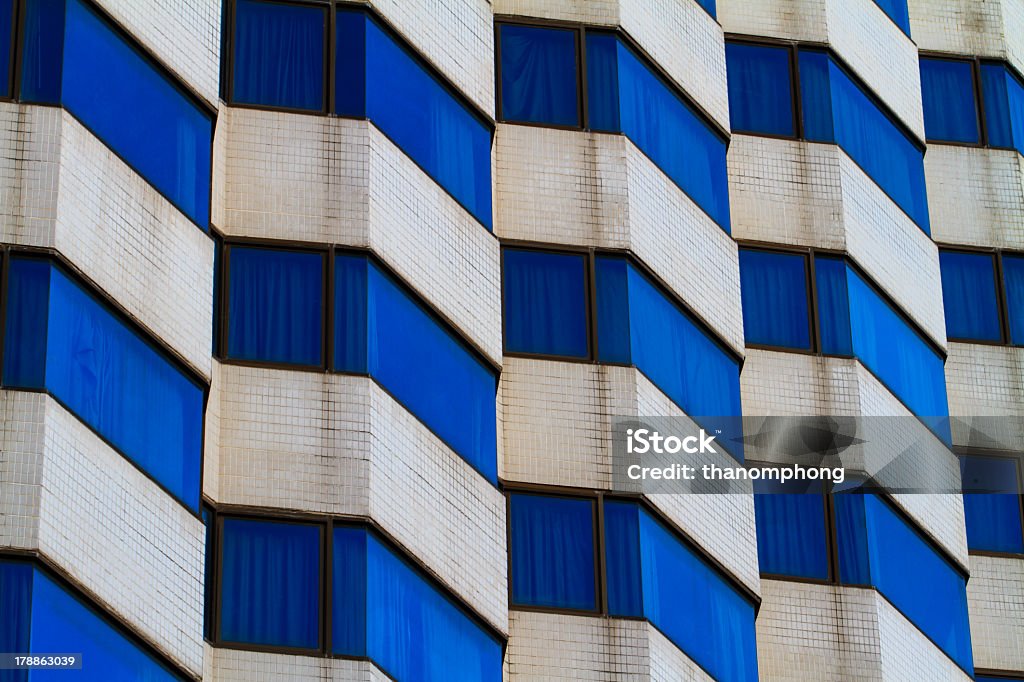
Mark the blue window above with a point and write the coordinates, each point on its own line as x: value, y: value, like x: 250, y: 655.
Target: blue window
x: 878, y: 547
x: 42, y: 617
x: 708, y: 5
x: 551, y: 547
x: 837, y: 109
x: 385, y: 609
x: 950, y: 110
x: 791, y: 535
x: 381, y: 79
x: 992, y: 503
x: 1013, y: 280
x: 42, y: 51
x: 760, y: 89
x: 279, y: 55
x: 1003, y: 97
x: 116, y: 92
x: 833, y: 306
x: 383, y: 330
x: 539, y: 75
x: 969, y: 296
x: 627, y: 96
x: 776, y: 308
x: 897, y: 11
x: 61, y: 338
x: 275, y: 305
x: 270, y: 583
x: 6, y: 45
x: 545, y: 303
x: 651, y: 573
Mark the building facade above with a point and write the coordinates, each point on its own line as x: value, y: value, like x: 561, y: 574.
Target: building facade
x: 317, y: 318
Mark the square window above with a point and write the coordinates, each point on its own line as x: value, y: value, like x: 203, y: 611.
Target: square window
x: 545, y: 303
x: 539, y: 82
x: 760, y: 89
x: 775, y: 305
x: 950, y: 111
x: 969, y: 296
x: 992, y: 509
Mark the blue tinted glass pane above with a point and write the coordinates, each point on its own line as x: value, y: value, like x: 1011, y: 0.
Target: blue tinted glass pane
x: 61, y: 623
x: 816, y: 96
x: 833, y: 306
x: 279, y: 55
x: 350, y: 299
x: 919, y: 582
x: 6, y: 45
x: 678, y: 356
x: 348, y: 629
x: 538, y: 75
x: 612, y: 310
x: 791, y: 537
x: 42, y: 51
x: 603, y: 81
x: 16, y: 607
x: 708, y: 5
x: 947, y: 90
x: 121, y: 97
x: 270, y: 583
x: 852, y: 540
x: 275, y: 306
x: 552, y: 548
x: 428, y: 122
x: 969, y: 296
x: 622, y: 558
x: 992, y: 509
x: 760, y: 89
x: 126, y: 390
x: 350, y: 64
x: 896, y: 353
x: 1013, y: 279
x: 878, y: 146
x: 414, y: 632
x: 209, y: 551
x: 673, y: 136
x: 1003, y: 96
x: 545, y: 304
x: 28, y: 298
x: 432, y: 373
x: 775, y: 307
x: 695, y: 606
x: 897, y: 11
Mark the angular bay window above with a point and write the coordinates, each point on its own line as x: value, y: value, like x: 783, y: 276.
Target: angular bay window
x: 950, y: 108
x: 61, y: 338
x: 992, y: 502
x: 874, y: 545
x: 540, y: 70
x: 983, y: 296
x: 761, y: 89
x: 649, y: 572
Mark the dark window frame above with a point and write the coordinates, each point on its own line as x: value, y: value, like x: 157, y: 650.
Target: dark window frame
x: 1018, y: 459
x: 1001, y: 300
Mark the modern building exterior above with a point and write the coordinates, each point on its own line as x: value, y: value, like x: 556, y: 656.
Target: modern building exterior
x: 317, y: 319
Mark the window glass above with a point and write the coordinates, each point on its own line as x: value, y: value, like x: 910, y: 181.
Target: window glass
x: 16, y: 605
x: 760, y: 89
x: 897, y: 11
x: 613, y: 310
x: 6, y: 45
x: 833, y: 306
x: 552, y: 550
x: 708, y: 5
x: 270, y: 583
x: 210, y: 551
x: 145, y: 118
x: 775, y: 302
x: 279, y: 55
x: 1003, y: 97
x: 622, y: 558
x: 791, y: 536
x: 992, y: 507
x: 539, y: 75
x: 947, y: 91
x: 42, y: 51
x: 969, y: 296
x: 1013, y: 280
x: 545, y: 303
x: 275, y: 305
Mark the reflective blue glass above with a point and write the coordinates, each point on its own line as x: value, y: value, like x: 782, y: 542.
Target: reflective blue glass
x: 816, y: 96
x: 603, y: 81
x: 348, y: 591
x: 1003, y: 96
x: 145, y: 118
x: 613, y: 310
x: 350, y: 61
x: 426, y: 120
x: 42, y: 51
x: 270, y: 583
x: 852, y: 539
x: 897, y: 11
x: 622, y: 558
x: 833, y: 306
x: 545, y: 303
x: 538, y: 75
x: 279, y: 55
x: 661, y: 124
x: 708, y: 5
x: 760, y: 89
x: 6, y: 45
x: 105, y: 373
x: 695, y: 606
x: 992, y: 507
x: 275, y: 305
x: 969, y: 296
x: 947, y: 91
x: 350, y: 313
x: 791, y: 539
x: 1013, y: 281
x: 776, y: 311
x: 552, y: 552
x: 16, y: 607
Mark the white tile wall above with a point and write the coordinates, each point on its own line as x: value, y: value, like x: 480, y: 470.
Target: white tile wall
x: 995, y: 600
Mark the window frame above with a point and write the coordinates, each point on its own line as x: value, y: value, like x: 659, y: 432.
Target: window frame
x: 1001, y: 299
x: 1018, y: 459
